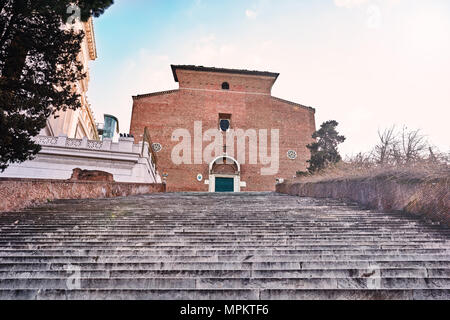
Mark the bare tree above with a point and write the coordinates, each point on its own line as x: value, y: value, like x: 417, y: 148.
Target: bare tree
x: 432, y: 158
x: 401, y: 148
x: 437, y: 157
x: 413, y: 145
x: 386, y: 147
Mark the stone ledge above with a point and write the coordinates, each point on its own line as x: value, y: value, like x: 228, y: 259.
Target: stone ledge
x: 17, y: 194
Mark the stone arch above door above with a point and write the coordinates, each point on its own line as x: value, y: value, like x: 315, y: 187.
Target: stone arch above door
x: 223, y: 161
x: 224, y: 167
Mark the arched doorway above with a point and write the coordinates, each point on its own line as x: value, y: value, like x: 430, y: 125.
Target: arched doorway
x: 224, y: 175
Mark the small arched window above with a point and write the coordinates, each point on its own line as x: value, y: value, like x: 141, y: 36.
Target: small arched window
x: 225, y: 86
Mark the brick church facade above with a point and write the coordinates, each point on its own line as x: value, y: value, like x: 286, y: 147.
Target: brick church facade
x: 224, y: 100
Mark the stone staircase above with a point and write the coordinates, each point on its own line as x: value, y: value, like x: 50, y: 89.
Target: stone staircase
x: 246, y: 246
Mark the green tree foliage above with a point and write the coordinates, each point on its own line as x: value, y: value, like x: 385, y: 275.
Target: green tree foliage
x: 325, y: 150
x: 38, y: 69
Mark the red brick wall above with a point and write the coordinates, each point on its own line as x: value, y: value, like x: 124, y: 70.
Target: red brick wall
x: 201, y: 98
x: 213, y: 81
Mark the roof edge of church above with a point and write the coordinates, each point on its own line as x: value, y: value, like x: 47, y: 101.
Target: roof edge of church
x: 139, y: 96
x: 294, y: 104
x: 221, y: 70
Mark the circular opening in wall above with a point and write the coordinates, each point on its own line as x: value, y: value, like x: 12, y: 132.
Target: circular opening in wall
x: 292, y: 154
x: 199, y: 177
x: 157, y: 147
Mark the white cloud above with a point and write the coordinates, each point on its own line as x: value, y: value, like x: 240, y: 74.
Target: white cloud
x: 207, y: 39
x: 374, y: 17
x: 358, y: 3
x: 251, y: 14
x: 349, y: 3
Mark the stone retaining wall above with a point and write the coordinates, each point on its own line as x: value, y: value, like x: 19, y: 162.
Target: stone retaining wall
x: 16, y: 194
x: 428, y: 199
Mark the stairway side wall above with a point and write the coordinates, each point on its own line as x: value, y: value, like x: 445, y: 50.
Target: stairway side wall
x: 17, y: 194
x: 428, y: 199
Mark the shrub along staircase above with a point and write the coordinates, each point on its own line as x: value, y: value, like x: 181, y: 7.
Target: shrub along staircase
x: 219, y: 246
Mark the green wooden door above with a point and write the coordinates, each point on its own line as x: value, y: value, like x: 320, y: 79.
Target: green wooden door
x: 224, y: 185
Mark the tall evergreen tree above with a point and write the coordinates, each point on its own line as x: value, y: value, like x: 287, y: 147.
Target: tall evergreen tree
x: 325, y: 150
x: 38, y: 68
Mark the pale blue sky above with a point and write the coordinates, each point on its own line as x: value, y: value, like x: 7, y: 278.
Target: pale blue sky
x: 368, y: 64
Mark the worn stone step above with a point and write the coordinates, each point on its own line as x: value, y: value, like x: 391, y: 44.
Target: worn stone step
x: 286, y: 242
x: 224, y: 258
x: 242, y: 238
x: 229, y: 283
x: 240, y: 295
x: 225, y: 247
x: 324, y: 283
x: 214, y: 230
x: 210, y: 252
x: 290, y: 218
x: 218, y: 229
x: 415, y: 294
x: 324, y: 273
x: 330, y: 265
x: 182, y: 225
x: 355, y: 273
x: 177, y: 294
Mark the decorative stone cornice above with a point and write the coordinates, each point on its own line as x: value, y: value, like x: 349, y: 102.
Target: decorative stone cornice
x: 90, y: 38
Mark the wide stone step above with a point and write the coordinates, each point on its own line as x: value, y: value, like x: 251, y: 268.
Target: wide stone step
x: 227, y: 217
x: 127, y: 246
x: 244, y: 243
x: 242, y: 295
x: 213, y: 235
x: 242, y: 238
x: 229, y: 283
x: 143, y: 274
x: 262, y: 229
x: 177, y: 294
x: 237, y: 229
x: 329, y: 265
x: 211, y: 252
x: 215, y: 258
x: 282, y: 294
x: 230, y: 216
x: 301, y: 220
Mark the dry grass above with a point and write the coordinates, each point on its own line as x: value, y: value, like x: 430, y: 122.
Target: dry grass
x: 419, y: 171
x: 402, y: 155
